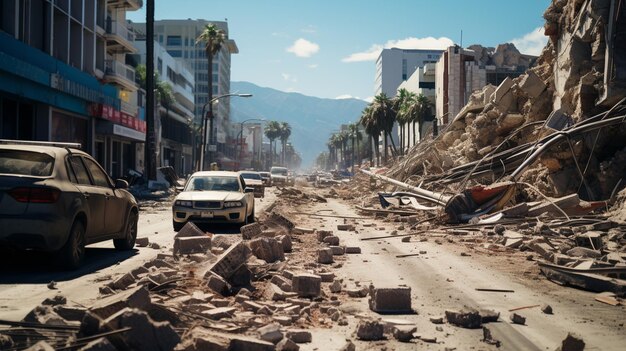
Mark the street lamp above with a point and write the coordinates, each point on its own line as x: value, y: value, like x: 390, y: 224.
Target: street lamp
x: 210, y: 118
x: 240, y: 138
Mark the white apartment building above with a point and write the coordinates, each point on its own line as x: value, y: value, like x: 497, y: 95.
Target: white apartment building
x: 395, y: 66
x: 178, y: 37
x: 175, y: 139
x: 422, y: 81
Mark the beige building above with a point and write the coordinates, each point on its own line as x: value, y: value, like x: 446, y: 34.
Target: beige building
x: 422, y: 81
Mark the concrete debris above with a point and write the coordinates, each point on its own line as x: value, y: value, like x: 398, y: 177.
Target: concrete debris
x: 268, y: 249
x: 547, y: 309
x: 349, y: 346
x: 271, y: 333
x: 231, y: 261
x: 191, y: 245
x: 353, y: 250
x: 404, y: 333
x: 470, y: 319
x: 137, y: 298
x: 390, y: 300
x: 518, y: 319
x: 325, y: 256
x: 161, y: 334
x: 299, y: 336
x: 322, y: 234
x: 370, y: 330
x: 40, y: 346
x: 572, y: 342
x: 306, y: 284
x: 332, y: 240
x: 251, y: 231
x: 100, y: 344
x: 142, y: 242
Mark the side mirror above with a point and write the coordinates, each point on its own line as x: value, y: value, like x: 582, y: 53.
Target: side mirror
x: 248, y: 190
x: 179, y: 189
x: 121, y: 184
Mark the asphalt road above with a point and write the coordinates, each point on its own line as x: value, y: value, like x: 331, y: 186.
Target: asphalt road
x: 24, y: 276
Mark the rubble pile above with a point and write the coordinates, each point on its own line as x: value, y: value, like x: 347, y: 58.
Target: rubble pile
x: 565, y: 87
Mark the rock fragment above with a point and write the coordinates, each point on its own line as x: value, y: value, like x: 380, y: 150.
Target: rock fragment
x: 470, y: 319
x: 572, y: 342
x: 518, y: 319
x: 390, y: 300
x: 370, y: 330
x: 306, y: 284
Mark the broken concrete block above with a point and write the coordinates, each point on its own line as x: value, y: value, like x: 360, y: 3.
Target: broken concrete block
x: 281, y: 282
x: 45, y: 315
x: 502, y: 90
x: 142, y: 242
x: 325, y: 256
x: 572, y: 342
x: 189, y: 230
x: 470, y: 319
x: 40, y: 346
x: 345, y: 227
x: 327, y: 277
x: 280, y: 220
x: 274, y: 293
x: 321, y: 234
x: 217, y: 283
x: 191, y: 245
x: 306, y: 284
x: 353, y: 250
x: 531, y: 84
x: 162, y: 335
x: 404, y: 333
x: 349, y: 346
x: 489, y: 316
x: 123, y: 282
x: 338, y: 250
x: 287, y: 345
x: 244, y: 343
x: 100, y: 344
x: 547, y: 309
x: 357, y: 292
x: 584, y: 252
x: 299, y: 336
x: 555, y: 205
x: 137, y: 297
x: 509, y: 122
x: 55, y: 301
x: 267, y: 249
x: 369, y: 330
x: 592, y: 239
x: 391, y: 300
x: 251, y: 231
x: 231, y: 260
x: 303, y: 230
x: 542, y: 249
x: 70, y: 313
x: 285, y: 240
x: 518, y: 319
x: 332, y: 240
x: 335, y: 287
x: 271, y: 333
x: 220, y: 312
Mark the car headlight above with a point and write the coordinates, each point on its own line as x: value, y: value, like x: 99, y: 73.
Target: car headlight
x: 183, y: 203
x: 229, y: 204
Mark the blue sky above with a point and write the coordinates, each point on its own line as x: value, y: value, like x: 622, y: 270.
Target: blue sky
x: 327, y: 48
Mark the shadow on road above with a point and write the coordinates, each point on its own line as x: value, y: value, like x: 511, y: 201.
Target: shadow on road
x: 30, y: 267
x: 219, y: 228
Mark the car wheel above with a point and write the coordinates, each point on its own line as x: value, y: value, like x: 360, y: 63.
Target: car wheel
x: 72, y: 253
x: 128, y: 241
x: 177, y: 226
x: 251, y: 217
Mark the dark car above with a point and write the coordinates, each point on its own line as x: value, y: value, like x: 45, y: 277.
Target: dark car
x: 59, y: 199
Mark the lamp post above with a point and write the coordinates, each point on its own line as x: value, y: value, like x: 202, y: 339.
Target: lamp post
x: 210, y: 118
x: 240, y: 138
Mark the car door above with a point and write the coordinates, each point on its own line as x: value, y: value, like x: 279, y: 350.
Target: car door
x: 94, y: 198
x: 248, y: 196
x: 115, y: 208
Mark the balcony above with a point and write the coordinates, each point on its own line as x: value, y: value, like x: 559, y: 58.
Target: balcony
x: 119, y: 38
x: 130, y: 5
x: 118, y: 73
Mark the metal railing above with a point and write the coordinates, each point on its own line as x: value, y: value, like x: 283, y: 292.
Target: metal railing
x: 120, y: 29
x: 113, y: 67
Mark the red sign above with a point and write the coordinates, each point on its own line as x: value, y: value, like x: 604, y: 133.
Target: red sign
x: 111, y: 114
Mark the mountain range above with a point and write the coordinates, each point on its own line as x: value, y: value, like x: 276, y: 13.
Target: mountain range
x: 312, y: 119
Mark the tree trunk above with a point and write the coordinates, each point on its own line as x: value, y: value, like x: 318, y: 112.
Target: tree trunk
x: 394, y: 150
x: 385, y: 141
x: 414, y: 135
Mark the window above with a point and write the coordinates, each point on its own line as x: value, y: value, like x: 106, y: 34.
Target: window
x: 160, y: 39
x: 175, y: 53
x: 26, y: 163
x: 174, y: 40
x: 160, y: 65
x: 99, y: 177
x: 79, y: 170
x: 404, y: 69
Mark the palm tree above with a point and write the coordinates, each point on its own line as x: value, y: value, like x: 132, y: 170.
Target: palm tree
x: 272, y: 130
x: 399, y: 104
x: 416, y: 110
x: 331, y: 151
x: 213, y: 38
x: 372, y: 128
x: 355, y: 135
x: 382, y: 111
x: 337, y: 144
x: 285, y: 133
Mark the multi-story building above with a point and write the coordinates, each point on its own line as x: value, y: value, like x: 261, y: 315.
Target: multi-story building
x: 63, y: 77
x: 394, y: 66
x: 460, y: 72
x: 175, y: 137
x: 179, y: 39
x: 421, y: 82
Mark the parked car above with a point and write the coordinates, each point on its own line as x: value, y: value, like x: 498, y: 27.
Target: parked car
x: 214, y: 197
x: 291, y: 178
x: 267, y: 178
x: 253, y: 179
x: 55, y: 197
x: 279, y: 175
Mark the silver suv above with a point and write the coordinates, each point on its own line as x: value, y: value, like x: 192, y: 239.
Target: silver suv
x: 55, y: 198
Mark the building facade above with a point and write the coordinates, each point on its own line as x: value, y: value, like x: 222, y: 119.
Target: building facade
x: 395, y: 66
x: 63, y: 77
x: 175, y: 135
x: 421, y: 82
x: 178, y: 37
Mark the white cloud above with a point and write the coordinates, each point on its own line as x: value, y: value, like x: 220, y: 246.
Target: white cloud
x: 303, y: 48
x: 289, y: 77
x: 344, y: 96
x: 409, y: 43
x: 313, y: 66
x: 531, y: 43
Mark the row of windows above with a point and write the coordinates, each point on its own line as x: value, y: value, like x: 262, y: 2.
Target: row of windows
x: 204, y: 66
x: 203, y: 88
x: 204, y: 77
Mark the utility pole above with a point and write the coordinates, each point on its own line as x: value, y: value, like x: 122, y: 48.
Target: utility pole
x: 150, y: 145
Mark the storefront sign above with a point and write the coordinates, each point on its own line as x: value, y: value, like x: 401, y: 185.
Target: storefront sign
x: 111, y: 114
x: 76, y: 89
x: 128, y: 133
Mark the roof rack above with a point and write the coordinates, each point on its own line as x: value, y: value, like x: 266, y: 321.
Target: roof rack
x: 39, y: 143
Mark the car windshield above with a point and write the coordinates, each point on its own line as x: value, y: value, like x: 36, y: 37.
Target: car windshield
x: 251, y: 176
x: 25, y: 163
x: 213, y: 183
x: 279, y: 171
